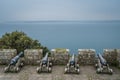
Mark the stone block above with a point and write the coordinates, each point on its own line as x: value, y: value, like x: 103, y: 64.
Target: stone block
x: 86, y: 56
x: 60, y: 56
x: 6, y: 55
x: 32, y: 56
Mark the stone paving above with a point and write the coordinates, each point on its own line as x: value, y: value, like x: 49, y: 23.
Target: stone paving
x: 87, y: 73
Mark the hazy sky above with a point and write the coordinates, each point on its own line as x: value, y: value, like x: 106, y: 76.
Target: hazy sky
x: 12, y: 10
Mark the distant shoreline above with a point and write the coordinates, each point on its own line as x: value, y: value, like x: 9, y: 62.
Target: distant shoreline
x: 49, y: 21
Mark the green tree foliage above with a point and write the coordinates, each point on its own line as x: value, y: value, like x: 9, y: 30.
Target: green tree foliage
x: 20, y: 41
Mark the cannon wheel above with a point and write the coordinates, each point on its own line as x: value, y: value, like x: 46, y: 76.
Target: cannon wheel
x: 17, y: 69
x: 38, y: 69
x: 49, y: 69
x: 96, y: 66
x: 66, y: 70
x: 78, y: 71
x: 21, y: 64
x: 50, y: 64
x: 6, y: 69
x: 111, y: 71
x: 98, y: 71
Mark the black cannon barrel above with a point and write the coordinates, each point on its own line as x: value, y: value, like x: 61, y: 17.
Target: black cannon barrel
x: 45, y: 58
x: 72, y: 59
x: 102, y: 60
x: 16, y: 58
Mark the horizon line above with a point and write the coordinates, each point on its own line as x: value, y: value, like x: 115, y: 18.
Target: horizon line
x: 36, y: 21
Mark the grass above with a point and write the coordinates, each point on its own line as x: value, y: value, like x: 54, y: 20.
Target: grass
x: 60, y: 50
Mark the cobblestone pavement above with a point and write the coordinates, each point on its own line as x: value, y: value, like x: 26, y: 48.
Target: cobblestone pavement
x: 86, y: 73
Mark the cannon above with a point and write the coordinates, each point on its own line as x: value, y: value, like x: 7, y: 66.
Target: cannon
x: 45, y: 65
x: 72, y: 66
x: 102, y: 66
x: 16, y: 63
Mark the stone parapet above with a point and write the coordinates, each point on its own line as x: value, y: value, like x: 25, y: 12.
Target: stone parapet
x: 60, y: 56
x: 32, y: 56
x: 6, y: 55
x: 110, y: 55
x: 86, y: 56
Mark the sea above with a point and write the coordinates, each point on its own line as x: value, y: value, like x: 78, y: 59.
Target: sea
x: 72, y: 35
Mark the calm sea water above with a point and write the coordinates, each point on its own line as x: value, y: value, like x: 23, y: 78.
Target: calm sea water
x: 71, y: 35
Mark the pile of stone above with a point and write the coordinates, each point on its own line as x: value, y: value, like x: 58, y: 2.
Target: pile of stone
x: 111, y: 56
x: 60, y: 56
x: 86, y: 56
x: 33, y: 56
x: 6, y: 55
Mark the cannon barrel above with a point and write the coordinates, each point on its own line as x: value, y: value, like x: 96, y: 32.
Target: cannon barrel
x: 72, y: 59
x: 16, y: 58
x: 45, y: 58
x: 102, y: 60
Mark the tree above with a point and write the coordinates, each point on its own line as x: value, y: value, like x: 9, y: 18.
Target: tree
x: 20, y: 41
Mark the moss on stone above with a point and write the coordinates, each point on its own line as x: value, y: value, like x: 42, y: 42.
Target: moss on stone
x: 61, y: 50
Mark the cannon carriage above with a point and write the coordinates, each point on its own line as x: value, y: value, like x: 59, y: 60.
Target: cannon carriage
x: 45, y: 65
x: 15, y: 64
x: 72, y: 66
x: 102, y: 66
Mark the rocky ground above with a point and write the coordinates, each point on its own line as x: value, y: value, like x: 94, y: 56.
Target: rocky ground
x: 87, y: 73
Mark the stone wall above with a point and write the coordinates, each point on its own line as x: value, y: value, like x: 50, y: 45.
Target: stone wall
x: 110, y: 55
x: 86, y: 56
x: 32, y: 56
x: 118, y: 57
x: 60, y: 56
x: 6, y: 55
